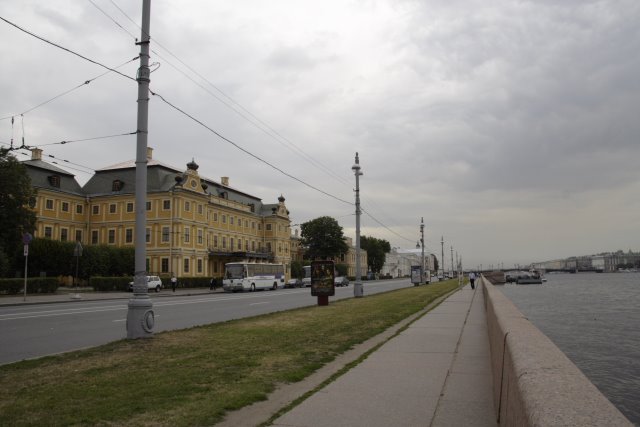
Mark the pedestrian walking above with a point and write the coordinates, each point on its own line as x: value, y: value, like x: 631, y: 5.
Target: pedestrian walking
x: 212, y: 284
x: 472, y: 279
x: 174, y: 282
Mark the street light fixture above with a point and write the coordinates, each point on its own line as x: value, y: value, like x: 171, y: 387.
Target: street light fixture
x: 419, y: 245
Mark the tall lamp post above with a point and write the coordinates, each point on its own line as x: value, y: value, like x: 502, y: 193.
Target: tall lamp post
x: 77, y: 252
x: 419, y: 245
x: 358, y: 290
x: 140, y: 316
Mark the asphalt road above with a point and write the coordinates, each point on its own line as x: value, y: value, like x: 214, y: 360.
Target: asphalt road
x: 35, y: 330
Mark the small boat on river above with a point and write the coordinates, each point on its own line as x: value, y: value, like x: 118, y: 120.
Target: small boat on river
x: 532, y: 277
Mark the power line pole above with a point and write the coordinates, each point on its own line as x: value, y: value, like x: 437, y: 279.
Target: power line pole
x: 140, y: 317
x: 358, y: 290
x: 452, y: 266
x: 442, y: 255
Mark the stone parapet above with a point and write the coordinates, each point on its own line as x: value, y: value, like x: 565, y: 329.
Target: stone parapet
x: 535, y: 384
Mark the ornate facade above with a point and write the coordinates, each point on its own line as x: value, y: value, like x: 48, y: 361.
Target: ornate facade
x: 194, y: 225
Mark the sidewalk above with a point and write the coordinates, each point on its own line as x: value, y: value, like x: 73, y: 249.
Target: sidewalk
x: 87, y: 294
x: 436, y: 372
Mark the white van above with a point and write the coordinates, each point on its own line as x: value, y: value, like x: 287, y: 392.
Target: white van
x: 153, y: 282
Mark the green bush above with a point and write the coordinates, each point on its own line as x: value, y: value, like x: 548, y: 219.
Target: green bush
x: 190, y: 282
x: 35, y: 285
x: 106, y: 284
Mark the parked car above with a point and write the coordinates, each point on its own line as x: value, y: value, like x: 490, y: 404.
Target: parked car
x: 153, y: 282
x: 293, y: 283
x: 341, y: 281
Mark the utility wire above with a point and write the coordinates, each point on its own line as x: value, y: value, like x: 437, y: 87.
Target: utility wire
x: 229, y: 102
x: 86, y: 82
x: 246, y: 151
x: 89, y: 139
x: 65, y: 49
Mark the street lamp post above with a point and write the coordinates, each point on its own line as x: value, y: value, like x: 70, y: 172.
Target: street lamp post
x: 77, y: 252
x: 358, y: 290
x: 421, y: 245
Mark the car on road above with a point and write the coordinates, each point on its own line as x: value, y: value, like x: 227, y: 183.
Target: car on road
x: 153, y: 283
x: 293, y: 283
x: 341, y: 281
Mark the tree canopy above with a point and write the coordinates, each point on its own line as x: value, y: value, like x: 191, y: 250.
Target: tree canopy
x: 377, y: 250
x: 16, y: 198
x: 323, y: 238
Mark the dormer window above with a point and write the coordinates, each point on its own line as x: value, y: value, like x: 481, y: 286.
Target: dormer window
x: 54, y: 180
x: 117, y: 185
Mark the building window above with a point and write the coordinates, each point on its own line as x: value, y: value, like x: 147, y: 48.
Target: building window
x: 64, y: 234
x: 246, y: 245
x: 231, y: 242
x: 259, y: 226
x: 112, y: 208
x: 268, y: 246
x: 186, y: 265
x: 78, y: 235
x: 215, y: 266
x: 128, y: 235
x: 94, y: 237
x: 187, y: 235
x: 253, y: 245
x: 129, y: 207
x: 200, y: 238
x: 48, y: 204
x: 231, y: 220
x: 215, y: 216
x: 268, y: 227
x: 117, y: 185
x: 95, y: 209
x: 165, y: 234
x: 48, y: 232
x: 79, y: 209
x: 239, y: 244
x: 224, y: 243
x: 224, y: 219
x: 199, y: 265
x: 54, y: 180
x: 253, y: 225
x: 246, y: 224
x: 164, y: 265
x: 215, y: 241
x: 199, y: 209
x: 147, y: 236
x: 166, y: 205
x: 187, y: 206
x: 65, y: 207
x: 112, y: 237
x: 149, y: 205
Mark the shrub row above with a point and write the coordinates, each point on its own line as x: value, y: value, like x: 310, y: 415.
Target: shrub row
x: 106, y: 284
x: 40, y: 285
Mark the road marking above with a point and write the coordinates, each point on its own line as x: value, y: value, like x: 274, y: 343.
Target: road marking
x: 258, y: 303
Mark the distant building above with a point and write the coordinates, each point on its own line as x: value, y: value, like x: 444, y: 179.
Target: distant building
x: 194, y: 225
x: 348, y: 259
x: 398, y: 262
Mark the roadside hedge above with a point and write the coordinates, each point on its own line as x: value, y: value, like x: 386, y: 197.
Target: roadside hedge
x: 106, y: 284
x: 35, y: 285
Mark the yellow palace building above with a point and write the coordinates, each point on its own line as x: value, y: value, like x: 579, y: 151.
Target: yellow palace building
x: 194, y: 224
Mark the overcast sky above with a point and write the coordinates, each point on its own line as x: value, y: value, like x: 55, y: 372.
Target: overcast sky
x: 511, y: 126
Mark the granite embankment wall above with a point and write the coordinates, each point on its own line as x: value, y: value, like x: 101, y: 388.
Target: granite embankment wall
x: 535, y: 384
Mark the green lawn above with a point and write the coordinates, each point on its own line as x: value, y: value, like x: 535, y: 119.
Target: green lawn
x: 192, y: 376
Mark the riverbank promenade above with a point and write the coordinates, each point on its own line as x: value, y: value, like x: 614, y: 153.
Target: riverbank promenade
x: 436, y: 372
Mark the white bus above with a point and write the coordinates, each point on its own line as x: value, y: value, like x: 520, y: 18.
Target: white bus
x: 242, y: 276
x: 306, y: 281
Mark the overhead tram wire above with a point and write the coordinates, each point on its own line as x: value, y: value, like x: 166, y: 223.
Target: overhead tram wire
x: 66, y: 49
x: 60, y: 95
x: 386, y: 227
x: 245, y: 150
x: 231, y: 103
x: 89, y: 139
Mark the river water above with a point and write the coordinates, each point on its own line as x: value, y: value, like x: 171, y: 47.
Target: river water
x: 595, y: 320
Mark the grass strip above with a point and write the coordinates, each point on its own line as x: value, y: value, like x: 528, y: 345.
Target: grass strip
x: 194, y: 376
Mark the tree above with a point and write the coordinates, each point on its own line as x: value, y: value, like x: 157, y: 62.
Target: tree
x: 323, y: 238
x: 16, y: 198
x: 296, y: 270
x: 377, y: 250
